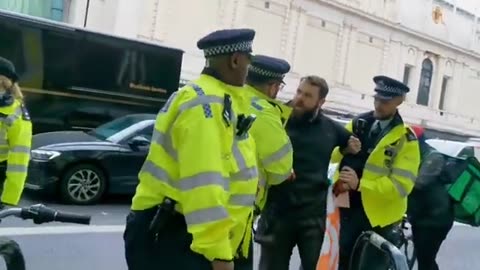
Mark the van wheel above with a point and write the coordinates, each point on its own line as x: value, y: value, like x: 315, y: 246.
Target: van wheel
x: 83, y: 184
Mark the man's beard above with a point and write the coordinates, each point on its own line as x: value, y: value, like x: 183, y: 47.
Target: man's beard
x: 306, y: 114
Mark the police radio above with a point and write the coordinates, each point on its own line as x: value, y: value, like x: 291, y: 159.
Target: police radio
x: 360, y: 127
x: 244, y: 123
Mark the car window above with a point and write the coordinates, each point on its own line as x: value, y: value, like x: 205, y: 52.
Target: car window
x: 468, y: 151
x: 109, y: 129
x: 146, y: 133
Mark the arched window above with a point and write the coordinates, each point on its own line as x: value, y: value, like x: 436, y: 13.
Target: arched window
x: 425, y: 82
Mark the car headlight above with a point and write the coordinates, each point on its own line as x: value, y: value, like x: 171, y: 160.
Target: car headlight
x: 44, y: 155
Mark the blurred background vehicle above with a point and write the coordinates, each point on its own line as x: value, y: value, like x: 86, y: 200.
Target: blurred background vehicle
x: 82, y: 166
x: 78, y: 79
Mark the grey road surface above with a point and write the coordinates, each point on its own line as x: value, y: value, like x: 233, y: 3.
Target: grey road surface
x: 100, y: 247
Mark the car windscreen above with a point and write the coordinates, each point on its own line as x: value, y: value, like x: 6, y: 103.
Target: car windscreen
x: 109, y: 129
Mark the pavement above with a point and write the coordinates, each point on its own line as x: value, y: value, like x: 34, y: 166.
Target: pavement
x: 59, y: 246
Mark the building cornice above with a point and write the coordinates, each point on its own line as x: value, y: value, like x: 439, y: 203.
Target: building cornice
x: 397, y: 27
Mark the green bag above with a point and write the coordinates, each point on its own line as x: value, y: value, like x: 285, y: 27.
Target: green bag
x: 462, y: 176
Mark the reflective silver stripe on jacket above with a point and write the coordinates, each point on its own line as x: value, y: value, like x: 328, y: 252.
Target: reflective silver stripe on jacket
x: 206, y: 215
x: 187, y: 183
x: 277, y: 155
x: 391, y: 174
x: 242, y: 199
x: 245, y: 173
x: 12, y: 117
x: 165, y: 140
x: 13, y: 168
x: 20, y: 149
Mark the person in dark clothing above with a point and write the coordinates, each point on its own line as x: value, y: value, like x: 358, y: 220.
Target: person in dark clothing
x: 296, y: 210
x: 430, y: 208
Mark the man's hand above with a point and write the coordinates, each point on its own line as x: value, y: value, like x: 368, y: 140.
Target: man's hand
x: 349, y: 177
x: 353, y: 147
x: 339, y: 188
x: 222, y: 265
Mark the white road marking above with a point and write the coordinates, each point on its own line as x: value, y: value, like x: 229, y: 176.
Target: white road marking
x: 20, y: 231
x: 51, y: 230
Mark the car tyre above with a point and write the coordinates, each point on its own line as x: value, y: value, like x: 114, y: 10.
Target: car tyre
x: 83, y: 184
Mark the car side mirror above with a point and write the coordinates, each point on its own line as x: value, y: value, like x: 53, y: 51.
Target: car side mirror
x: 139, y: 141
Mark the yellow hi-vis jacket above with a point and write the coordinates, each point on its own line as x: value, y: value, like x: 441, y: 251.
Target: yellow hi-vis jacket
x: 387, y: 180
x: 274, y: 149
x: 15, y: 143
x: 197, y: 159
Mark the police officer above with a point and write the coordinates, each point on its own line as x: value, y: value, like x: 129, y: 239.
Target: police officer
x: 15, y: 135
x: 264, y: 81
x: 379, y: 177
x: 194, y: 201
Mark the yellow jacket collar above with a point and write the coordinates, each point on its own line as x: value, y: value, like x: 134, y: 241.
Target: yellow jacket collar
x: 285, y: 110
x: 253, y: 91
x: 230, y: 89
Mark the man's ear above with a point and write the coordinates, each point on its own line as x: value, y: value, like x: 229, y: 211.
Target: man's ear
x: 234, y: 60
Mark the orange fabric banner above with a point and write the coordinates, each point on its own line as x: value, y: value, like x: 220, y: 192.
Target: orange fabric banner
x: 329, y: 255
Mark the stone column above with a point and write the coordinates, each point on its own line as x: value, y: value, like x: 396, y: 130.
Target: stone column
x: 290, y: 32
x: 341, y: 53
x: 385, y: 59
x: 161, y: 13
x: 454, y: 96
x: 352, y: 44
x: 347, y: 39
x: 238, y: 10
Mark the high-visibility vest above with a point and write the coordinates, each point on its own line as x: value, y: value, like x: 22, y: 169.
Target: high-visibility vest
x: 388, y: 176
x: 197, y: 159
x: 274, y: 149
x: 15, y: 143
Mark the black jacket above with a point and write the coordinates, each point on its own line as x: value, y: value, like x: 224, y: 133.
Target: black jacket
x: 429, y: 204
x: 313, y: 140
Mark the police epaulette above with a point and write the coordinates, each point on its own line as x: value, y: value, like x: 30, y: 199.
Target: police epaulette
x: 276, y: 105
x: 25, y: 114
x: 411, y: 135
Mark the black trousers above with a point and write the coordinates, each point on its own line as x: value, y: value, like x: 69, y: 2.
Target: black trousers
x: 353, y: 222
x: 427, y: 241
x: 308, y: 236
x: 171, y: 251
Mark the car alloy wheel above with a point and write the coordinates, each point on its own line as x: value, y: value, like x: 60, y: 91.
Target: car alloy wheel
x: 84, y: 185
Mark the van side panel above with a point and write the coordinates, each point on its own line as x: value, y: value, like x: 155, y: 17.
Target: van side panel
x: 75, y: 79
